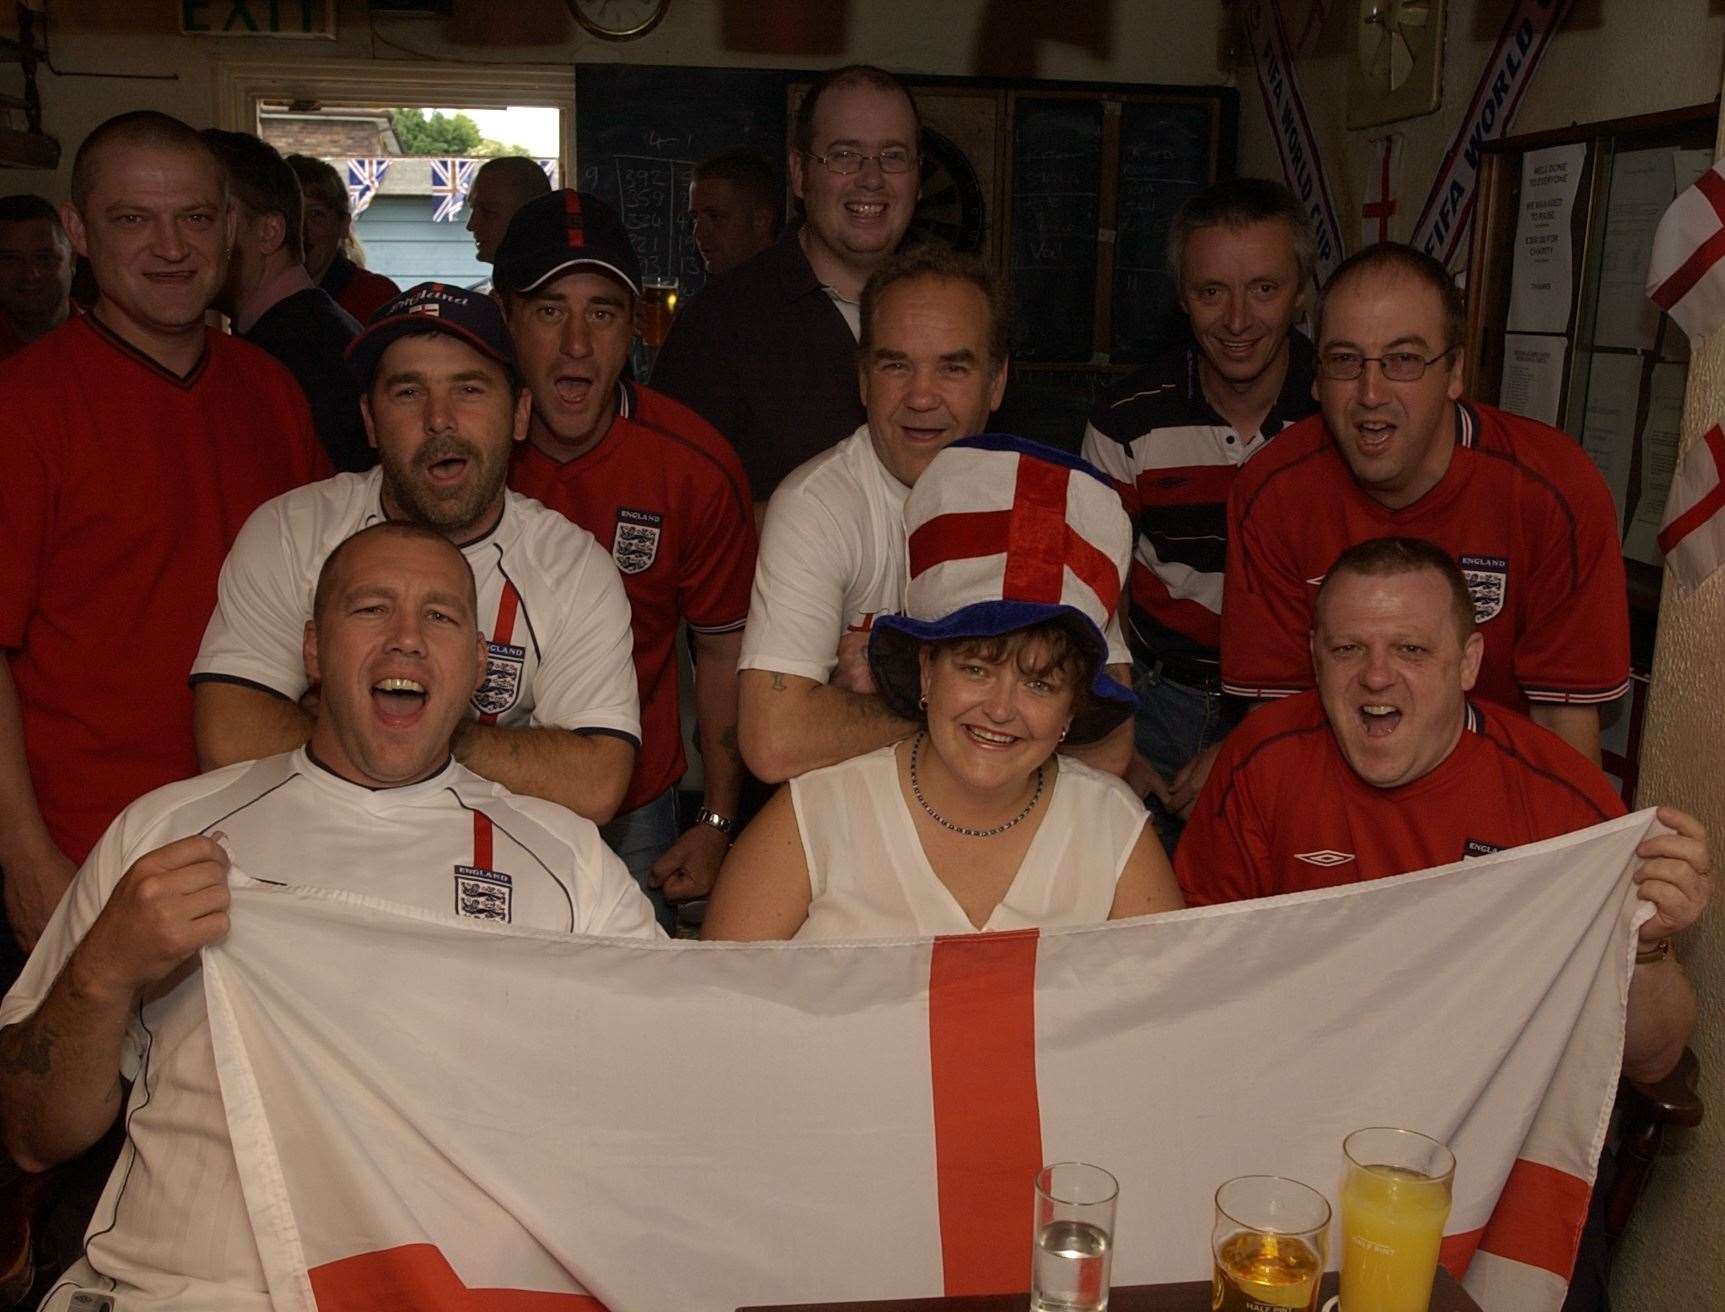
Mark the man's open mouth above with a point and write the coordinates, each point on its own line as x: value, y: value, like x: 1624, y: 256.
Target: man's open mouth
x: 1380, y: 721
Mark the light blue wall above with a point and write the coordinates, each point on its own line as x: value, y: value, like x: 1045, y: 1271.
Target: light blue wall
x: 401, y: 242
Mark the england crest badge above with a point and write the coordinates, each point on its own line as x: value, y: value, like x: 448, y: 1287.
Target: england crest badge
x: 1487, y: 582
x: 636, y: 543
x: 482, y: 894
x: 502, y: 687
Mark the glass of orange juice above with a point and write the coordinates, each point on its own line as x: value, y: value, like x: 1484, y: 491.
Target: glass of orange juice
x: 1395, y: 1200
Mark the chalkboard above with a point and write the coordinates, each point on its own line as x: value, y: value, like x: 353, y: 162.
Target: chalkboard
x: 640, y: 130
x: 1056, y: 207
x: 1165, y: 156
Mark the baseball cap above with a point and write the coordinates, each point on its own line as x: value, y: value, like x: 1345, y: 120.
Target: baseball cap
x: 1004, y: 533
x: 434, y: 307
x: 560, y: 231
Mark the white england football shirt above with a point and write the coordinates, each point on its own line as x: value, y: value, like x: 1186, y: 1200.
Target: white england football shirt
x: 832, y: 557
x: 171, y: 1230
x: 551, y: 604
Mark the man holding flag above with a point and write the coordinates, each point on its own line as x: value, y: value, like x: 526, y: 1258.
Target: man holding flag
x: 1388, y: 767
x: 373, y: 804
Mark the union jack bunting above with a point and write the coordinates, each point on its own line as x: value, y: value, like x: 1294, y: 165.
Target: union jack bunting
x: 450, y: 180
x: 550, y: 167
x: 364, y: 177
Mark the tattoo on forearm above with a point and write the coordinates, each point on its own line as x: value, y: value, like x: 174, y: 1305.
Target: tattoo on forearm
x: 26, y: 1049
x: 728, y: 742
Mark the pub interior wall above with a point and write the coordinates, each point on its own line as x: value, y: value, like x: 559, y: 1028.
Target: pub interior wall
x: 1092, y: 40
x: 1612, y: 59
x: 1672, y: 1258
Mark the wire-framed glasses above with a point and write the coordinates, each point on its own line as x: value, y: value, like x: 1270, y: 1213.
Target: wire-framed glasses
x: 1397, y: 366
x: 844, y: 161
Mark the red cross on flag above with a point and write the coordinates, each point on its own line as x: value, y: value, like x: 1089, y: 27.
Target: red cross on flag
x: 996, y: 525
x: 1693, y: 533
x: 1686, y: 276
x: 1381, y: 188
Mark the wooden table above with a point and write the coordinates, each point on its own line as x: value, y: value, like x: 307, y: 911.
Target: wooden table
x: 1193, y: 1296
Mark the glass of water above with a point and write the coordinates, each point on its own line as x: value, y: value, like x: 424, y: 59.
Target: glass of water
x: 1073, y: 1238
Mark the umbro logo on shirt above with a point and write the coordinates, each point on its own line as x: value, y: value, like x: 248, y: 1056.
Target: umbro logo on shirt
x: 1325, y: 857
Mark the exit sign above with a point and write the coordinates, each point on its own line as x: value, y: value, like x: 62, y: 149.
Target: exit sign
x: 258, y: 17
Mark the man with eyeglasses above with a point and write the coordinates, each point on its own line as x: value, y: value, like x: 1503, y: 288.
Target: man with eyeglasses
x: 767, y: 355
x: 1397, y: 451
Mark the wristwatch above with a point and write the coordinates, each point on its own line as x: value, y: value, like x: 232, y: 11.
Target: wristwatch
x: 1648, y: 953
x: 723, y: 823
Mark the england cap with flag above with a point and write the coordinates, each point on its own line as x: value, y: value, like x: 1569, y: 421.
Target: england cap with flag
x: 561, y: 232
x: 433, y: 307
x: 1005, y: 533
x: 1686, y: 273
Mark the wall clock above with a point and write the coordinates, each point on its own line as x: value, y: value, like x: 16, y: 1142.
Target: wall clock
x: 1397, y: 70
x: 618, y: 20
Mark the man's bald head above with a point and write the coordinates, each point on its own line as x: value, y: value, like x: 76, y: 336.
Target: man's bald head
x: 520, y: 177
x: 500, y: 188
x: 1389, y: 556
x: 329, y: 577
x: 134, y: 130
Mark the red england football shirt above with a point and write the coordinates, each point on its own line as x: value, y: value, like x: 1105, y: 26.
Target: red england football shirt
x: 121, y: 488
x: 1284, y: 812
x: 1521, y: 508
x: 665, y: 494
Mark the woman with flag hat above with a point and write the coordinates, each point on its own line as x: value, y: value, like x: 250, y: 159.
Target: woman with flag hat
x: 1017, y: 552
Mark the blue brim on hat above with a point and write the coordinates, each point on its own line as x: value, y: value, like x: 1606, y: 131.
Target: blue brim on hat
x: 895, y: 642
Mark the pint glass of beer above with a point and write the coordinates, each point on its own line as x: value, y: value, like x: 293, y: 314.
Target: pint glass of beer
x: 1269, y: 1242
x: 658, y: 308
x: 1395, y: 1200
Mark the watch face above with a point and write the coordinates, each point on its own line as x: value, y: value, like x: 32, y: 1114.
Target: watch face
x: 619, y: 20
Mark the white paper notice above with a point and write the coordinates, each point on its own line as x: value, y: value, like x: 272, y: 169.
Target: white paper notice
x: 1688, y: 166
x: 1642, y: 187
x: 1533, y: 376
x: 1608, y: 430
x: 1540, y: 286
x: 1658, y: 461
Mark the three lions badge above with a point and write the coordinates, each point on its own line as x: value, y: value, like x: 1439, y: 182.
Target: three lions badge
x: 482, y: 894
x: 504, y: 662
x: 1487, y: 582
x: 635, y: 545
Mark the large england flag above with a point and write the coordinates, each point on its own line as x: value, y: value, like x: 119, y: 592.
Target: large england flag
x: 440, y: 1115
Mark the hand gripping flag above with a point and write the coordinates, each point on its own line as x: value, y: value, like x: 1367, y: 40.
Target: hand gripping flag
x: 1686, y: 274
x: 1692, y: 535
x: 434, y: 1114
